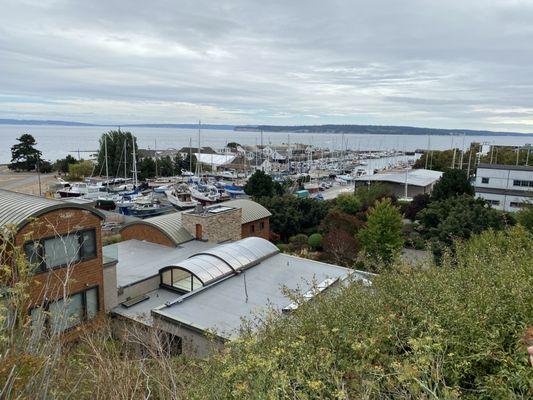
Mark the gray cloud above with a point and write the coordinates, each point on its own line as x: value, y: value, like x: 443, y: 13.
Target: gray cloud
x: 428, y: 63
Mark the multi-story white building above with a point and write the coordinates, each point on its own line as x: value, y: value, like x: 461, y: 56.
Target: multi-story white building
x: 506, y: 187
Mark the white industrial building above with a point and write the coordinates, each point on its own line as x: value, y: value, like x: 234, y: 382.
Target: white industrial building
x: 505, y: 187
x: 405, y: 184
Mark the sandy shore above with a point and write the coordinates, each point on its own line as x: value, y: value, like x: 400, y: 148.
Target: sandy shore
x: 24, y: 182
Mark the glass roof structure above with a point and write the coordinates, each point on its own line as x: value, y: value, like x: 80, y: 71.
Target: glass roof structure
x: 214, y: 264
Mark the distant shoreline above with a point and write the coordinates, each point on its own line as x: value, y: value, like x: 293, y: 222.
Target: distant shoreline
x: 301, y: 129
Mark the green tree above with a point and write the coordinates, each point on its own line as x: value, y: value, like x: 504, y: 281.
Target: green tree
x: 24, y: 155
x: 165, y: 166
x: 184, y: 164
x: 120, y: 146
x: 80, y: 170
x: 368, y: 194
x: 348, y: 203
x: 146, y: 168
x: 62, y: 164
x: 419, y: 202
x: 457, y: 217
x: 525, y: 218
x: 453, y: 182
x: 233, y: 145
x: 262, y: 185
x: 382, y: 236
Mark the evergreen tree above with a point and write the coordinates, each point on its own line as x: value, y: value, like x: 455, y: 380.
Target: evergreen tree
x: 382, y: 237
x: 116, y: 156
x: 454, y: 182
x: 262, y: 185
x: 24, y: 155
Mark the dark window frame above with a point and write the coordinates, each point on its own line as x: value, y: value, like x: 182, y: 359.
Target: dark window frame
x: 484, y: 180
x: 45, y: 306
x: 42, y: 267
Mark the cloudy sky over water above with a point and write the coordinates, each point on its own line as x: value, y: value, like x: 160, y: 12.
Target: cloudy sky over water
x: 449, y: 64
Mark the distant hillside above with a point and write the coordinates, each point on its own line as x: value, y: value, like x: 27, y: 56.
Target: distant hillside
x: 42, y: 122
x: 74, y: 123
x: 372, y: 129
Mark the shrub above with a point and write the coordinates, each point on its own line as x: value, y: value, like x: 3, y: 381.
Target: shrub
x: 299, y: 241
x: 315, y: 241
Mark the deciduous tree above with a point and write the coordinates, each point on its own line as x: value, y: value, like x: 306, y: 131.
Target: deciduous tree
x: 382, y: 237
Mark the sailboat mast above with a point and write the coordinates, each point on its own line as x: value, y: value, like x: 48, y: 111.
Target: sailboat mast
x: 134, y: 164
x: 106, y: 163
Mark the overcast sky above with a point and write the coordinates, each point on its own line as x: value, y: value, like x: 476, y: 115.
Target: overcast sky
x: 435, y: 63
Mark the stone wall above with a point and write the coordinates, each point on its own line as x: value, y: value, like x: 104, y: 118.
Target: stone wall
x: 216, y: 228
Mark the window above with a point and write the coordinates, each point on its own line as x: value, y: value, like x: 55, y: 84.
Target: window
x: 261, y: 225
x: 519, y: 204
x: 484, y: 180
x: 252, y: 228
x: 62, y: 251
x: 494, y: 202
x: 67, y: 313
x: 522, y: 183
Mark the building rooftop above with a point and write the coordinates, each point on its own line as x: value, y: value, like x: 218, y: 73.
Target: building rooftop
x: 254, y: 277
x: 506, y: 167
x: 251, y: 211
x: 18, y: 208
x: 139, y: 260
x: 168, y: 224
x: 414, y: 177
x: 223, y: 306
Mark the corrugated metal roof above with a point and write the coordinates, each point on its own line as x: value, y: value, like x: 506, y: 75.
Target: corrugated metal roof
x: 506, y: 167
x: 415, y: 177
x: 169, y: 225
x: 17, y: 208
x: 251, y: 211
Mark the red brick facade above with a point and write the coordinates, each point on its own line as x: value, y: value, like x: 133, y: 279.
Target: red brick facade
x: 259, y: 228
x: 146, y: 232
x: 57, y: 283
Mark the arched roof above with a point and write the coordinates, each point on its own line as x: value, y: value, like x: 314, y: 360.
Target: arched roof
x: 168, y: 224
x: 226, y: 259
x: 18, y: 209
x: 251, y: 211
x: 243, y: 253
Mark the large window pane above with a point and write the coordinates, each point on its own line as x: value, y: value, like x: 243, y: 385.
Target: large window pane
x: 61, y: 251
x: 33, y: 253
x: 92, y: 303
x: 88, y: 242
x: 67, y: 313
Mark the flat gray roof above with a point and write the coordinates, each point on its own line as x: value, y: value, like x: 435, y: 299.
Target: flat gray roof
x: 222, y: 306
x: 506, y: 167
x: 139, y: 260
x: 415, y: 177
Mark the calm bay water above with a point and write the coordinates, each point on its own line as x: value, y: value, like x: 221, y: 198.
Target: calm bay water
x: 58, y: 141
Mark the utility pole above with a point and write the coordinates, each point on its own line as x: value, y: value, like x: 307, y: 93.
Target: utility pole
x: 39, y: 174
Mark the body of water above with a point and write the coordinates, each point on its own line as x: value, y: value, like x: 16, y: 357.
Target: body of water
x: 58, y: 141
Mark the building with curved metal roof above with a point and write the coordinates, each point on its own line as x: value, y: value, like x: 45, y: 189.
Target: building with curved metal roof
x: 230, y: 220
x: 251, y: 211
x: 18, y: 209
x: 163, y: 229
x: 211, y: 265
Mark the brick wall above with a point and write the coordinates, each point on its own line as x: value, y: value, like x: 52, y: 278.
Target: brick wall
x: 57, y: 283
x: 148, y: 233
x: 216, y: 228
x: 257, y: 231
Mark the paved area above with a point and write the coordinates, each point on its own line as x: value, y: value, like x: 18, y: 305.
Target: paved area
x: 24, y: 182
x: 333, y: 192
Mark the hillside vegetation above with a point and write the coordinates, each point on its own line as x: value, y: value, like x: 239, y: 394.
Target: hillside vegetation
x: 454, y: 331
